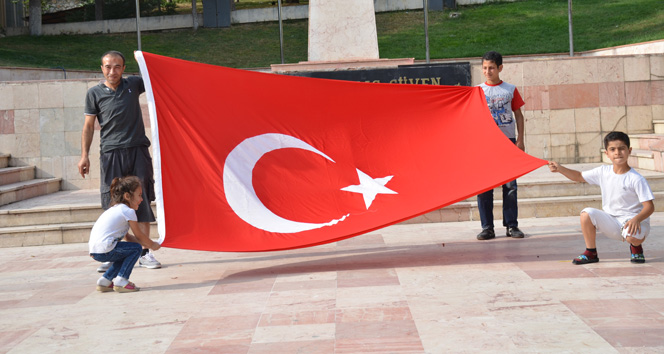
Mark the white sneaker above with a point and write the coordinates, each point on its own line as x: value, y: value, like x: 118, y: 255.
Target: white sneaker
x: 148, y: 261
x: 104, y: 267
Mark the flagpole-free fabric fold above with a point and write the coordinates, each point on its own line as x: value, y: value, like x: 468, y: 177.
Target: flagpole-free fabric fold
x: 248, y: 161
x: 156, y: 151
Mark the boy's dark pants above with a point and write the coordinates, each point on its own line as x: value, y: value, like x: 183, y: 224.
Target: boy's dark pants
x: 510, y: 208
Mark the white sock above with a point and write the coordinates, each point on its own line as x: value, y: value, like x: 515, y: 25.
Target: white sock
x: 120, y: 281
x: 103, y: 282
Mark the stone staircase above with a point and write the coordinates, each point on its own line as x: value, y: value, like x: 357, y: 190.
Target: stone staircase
x: 34, y: 212
x: 61, y: 217
x: 68, y: 216
x: 543, y: 194
x: 658, y: 126
x: 19, y: 183
x: 647, y: 150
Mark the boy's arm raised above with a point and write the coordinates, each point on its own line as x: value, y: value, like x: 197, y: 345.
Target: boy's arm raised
x: 573, y: 175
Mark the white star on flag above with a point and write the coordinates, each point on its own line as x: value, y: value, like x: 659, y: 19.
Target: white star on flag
x: 370, y: 187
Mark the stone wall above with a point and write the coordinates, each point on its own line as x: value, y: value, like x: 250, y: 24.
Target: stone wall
x: 41, y: 124
x: 570, y: 104
x: 8, y: 73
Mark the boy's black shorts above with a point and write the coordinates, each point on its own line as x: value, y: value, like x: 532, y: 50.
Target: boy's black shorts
x: 133, y: 161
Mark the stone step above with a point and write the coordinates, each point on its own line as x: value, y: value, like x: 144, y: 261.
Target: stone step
x: 4, y: 160
x: 566, y: 188
x: 60, y: 233
x: 646, y: 141
x: 658, y: 125
x: 52, y: 234
x: 68, y: 216
x: 62, y: 207
x: 653, y: 159
x: 50, y: 215
x: 528, y: 208
x: 10, y: 175
x: 643, y: 159
x: 84, y: 206
x: 647, y: 151
x: 18, y: 191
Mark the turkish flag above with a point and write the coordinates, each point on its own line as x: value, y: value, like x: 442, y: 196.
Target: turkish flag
x: 249, y: 161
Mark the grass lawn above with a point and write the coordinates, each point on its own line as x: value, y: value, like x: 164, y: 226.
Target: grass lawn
x: 521, y: 27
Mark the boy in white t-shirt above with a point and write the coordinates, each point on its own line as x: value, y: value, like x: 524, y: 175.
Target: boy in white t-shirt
x: 627, y: 201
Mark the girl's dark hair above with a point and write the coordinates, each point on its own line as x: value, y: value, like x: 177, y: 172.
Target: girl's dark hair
x: 122, y: 185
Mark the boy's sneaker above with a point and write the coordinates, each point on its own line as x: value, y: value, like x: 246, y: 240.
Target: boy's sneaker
x: 148, y: 261
x: 486, y: 234
x: 514, y: 232
x: 637, y: 254
x: 585, y: 258
x: 104, y: 267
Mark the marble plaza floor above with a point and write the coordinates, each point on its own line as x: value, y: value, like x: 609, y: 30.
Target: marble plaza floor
x: 420, y: 288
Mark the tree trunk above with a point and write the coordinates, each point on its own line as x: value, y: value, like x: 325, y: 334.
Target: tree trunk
x: 99, y: 10
x: 35, y: 22
x: 194, y: 14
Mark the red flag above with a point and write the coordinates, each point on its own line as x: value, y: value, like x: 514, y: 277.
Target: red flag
x: 248, y: 161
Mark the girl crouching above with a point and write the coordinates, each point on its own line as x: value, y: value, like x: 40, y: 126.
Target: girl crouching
x: 111, y: 227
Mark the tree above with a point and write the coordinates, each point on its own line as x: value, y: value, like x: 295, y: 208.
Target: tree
x: 35, y: 19
x: 99, y: 10
x: 194, y: 14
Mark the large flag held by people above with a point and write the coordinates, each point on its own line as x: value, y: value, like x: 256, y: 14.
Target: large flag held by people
x: 248, y: 161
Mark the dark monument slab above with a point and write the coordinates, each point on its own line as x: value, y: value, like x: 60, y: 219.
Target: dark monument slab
x: 426, y: 74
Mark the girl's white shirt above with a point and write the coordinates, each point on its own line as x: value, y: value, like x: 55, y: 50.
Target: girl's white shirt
x: 110, y: 228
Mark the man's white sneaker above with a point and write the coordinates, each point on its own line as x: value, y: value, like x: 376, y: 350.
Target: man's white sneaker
x: 104, y: 267
x: 148, y: 261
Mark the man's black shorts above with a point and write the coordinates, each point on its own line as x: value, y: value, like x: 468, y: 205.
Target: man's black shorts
x: 134, y: 161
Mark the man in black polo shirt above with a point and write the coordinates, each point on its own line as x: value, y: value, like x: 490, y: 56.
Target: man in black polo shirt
x: 124, y: 146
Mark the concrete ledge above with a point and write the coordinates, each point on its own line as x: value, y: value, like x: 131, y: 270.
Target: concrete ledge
x: 76, y: 231
x: 340, y: 65
x: 268, y: 14
x: 39, y: 235
x: 4, y: 160
x: 10, y: 175
x: 45, y: 216
x: 49, y: 215
x: 28, y: 189
x: 652, y: 47
x: 121, y: 25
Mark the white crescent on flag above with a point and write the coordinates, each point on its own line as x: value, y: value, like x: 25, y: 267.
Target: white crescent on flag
x: 238, y: 183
